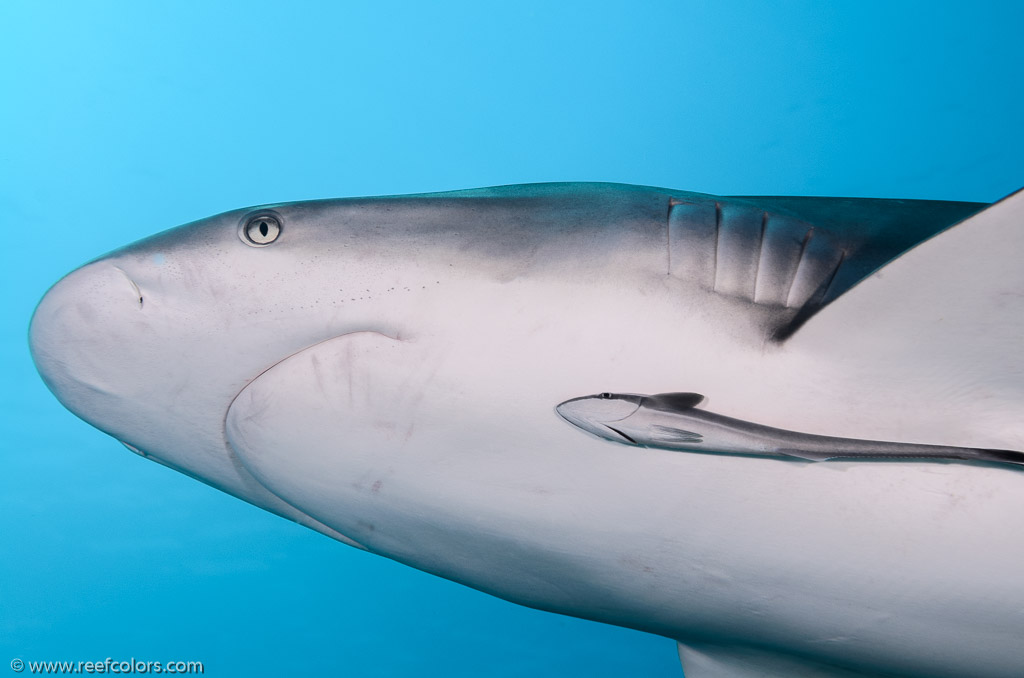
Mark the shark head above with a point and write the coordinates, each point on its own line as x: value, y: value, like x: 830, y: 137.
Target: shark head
x: 152, y: 342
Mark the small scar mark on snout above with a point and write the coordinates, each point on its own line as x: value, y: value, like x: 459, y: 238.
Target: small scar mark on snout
x: 375, y: 488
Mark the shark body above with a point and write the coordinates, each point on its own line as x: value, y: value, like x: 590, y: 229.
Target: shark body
x: 384, y: 371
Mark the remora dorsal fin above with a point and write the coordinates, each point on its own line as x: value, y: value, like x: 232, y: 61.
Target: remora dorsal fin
x: 674, y: 402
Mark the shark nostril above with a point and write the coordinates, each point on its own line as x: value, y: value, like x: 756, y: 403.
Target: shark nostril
x: 135, y: 287
x: 134, y: 449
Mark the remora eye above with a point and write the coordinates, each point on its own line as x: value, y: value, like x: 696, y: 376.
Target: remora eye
x: 260, y: 230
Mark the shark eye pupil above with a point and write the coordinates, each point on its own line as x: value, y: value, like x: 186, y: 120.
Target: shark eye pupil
x: 261, y: 230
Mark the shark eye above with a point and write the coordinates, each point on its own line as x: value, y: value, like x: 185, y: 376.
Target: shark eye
x: 260, y: 230
x: 605, y: 396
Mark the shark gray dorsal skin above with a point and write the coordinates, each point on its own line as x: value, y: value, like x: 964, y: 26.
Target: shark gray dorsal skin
x: 671, y: 421
x: 383, y: 370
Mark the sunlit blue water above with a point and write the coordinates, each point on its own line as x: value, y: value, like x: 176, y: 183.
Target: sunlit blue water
x: 123, y: 118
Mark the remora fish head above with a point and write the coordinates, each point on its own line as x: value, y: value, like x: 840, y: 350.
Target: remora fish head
x: 593, y: 413
x: 152, y: 342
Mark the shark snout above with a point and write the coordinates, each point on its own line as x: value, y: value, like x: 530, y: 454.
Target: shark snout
x: 79, y: 332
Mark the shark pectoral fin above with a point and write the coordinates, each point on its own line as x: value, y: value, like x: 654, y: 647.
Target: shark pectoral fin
x: 319, y: 428
x: 955, y: 300
x: 704, y: 660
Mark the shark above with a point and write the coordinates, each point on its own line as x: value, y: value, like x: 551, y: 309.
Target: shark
x: 391, y: 372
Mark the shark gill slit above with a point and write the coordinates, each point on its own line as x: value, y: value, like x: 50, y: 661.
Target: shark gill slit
x: 718, y: 236
x: 668, y: 236
x: 799, y: 263
x: 827, y: 287
x: 760, y: 255
x: 811, y: 306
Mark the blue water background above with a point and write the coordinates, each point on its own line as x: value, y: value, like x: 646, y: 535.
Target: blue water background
x: 119, y: 119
